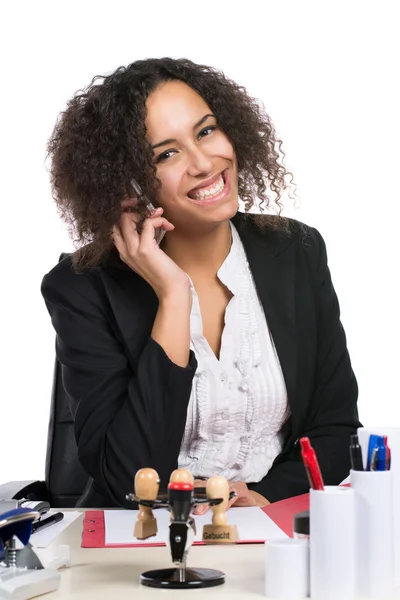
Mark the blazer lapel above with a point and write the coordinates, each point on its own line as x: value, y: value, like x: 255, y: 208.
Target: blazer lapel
x: 272, y: 262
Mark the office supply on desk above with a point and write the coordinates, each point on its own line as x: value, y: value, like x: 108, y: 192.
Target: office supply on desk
x: 23, y: 575
x: 371, y: 450
x: 47, y: 522
x: 380, y: 461
x: 385, y: 440
x: 374, y: 518
x: 219, y: 531
x: 393, y: 435
x: 378, y: 453
x: 43, y: 537
x: 332, y: 543
x: 374, y: 458
x: 301, y: 525
x: 282, y: 513
x: 287, y: 572
x: 356, y: 459
x: 7, y: 504
x: 180, y: 500
x: 311, y: 464
x: 41, y: 506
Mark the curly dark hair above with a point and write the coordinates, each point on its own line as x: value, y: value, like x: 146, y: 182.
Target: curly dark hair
x: 99, y: 144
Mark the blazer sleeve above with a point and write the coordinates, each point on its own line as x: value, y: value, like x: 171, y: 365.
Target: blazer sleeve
x: 332, y: 411
x: 124, y: 420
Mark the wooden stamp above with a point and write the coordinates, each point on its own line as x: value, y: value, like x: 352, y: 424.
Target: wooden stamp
x: 219, y: 532
x: 147, y: 483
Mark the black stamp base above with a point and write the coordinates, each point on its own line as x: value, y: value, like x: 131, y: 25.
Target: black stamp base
x: 193, y: 578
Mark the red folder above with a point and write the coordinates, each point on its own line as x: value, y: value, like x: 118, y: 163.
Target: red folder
x: 282, y: 513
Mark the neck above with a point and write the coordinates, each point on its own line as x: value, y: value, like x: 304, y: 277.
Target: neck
x: 199, y: 253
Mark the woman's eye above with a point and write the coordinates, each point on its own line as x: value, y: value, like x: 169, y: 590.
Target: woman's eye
x: 164, y: 155
x: 207, y: 130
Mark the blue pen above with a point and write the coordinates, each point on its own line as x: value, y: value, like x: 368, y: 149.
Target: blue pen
x: 371, y: 445
x: 380, y: 463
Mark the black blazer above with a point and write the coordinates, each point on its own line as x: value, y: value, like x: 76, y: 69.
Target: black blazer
x: 129, y: 401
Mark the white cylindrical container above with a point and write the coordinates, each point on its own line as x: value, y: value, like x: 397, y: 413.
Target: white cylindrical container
x: 393, y: 434
x: 374, y: 532
x: 287, y: 569
x: 332, y: 544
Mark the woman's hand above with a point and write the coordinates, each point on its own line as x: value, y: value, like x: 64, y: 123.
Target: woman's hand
x: 142, y: 253
x: 244, y: 496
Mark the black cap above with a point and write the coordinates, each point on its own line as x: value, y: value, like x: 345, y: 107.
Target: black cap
x: 301, y: 523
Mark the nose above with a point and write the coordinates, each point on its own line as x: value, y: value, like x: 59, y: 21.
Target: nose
x: 199, y: 162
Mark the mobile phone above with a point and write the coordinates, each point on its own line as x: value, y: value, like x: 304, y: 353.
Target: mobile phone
x: 159, y: 232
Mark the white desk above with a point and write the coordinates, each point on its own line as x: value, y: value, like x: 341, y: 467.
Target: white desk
x: 113, y: 574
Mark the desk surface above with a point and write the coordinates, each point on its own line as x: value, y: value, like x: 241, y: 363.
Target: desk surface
x: 113, y: 574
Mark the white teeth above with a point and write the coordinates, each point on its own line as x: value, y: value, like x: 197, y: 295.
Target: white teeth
x: 210, y: 191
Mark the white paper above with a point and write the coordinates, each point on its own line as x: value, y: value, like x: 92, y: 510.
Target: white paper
x: 252, y: 524
x: 43, y: 537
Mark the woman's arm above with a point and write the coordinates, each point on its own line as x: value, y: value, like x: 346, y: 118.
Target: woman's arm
x: 124, y: 420
x: 332, y: 412
x: 171, y: 329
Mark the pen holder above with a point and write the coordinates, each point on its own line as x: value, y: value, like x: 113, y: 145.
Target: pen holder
x: 287, y: 569
x: 332, y: 543
x: 393, y: 434
x: 374, y: 512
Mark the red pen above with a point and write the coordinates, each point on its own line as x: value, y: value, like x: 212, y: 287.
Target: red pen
x: 311, y: 464
x: 385, y: 441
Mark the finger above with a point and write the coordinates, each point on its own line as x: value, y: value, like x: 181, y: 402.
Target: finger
x: 247, y: 500
x: 199, y: 483
x: 129, y: 203
x: 201, y: 509
x: 129, y: 219
x: 155, y: 212
x: 128, y: 230
x: 232, y: 501
x: 153, y: 223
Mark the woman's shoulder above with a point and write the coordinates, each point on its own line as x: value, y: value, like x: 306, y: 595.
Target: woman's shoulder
x: 65, y: 283
x: 279, y: 233
x: 68, y: 283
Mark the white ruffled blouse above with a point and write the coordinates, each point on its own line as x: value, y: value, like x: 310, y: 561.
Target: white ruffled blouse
x: 238, y: 402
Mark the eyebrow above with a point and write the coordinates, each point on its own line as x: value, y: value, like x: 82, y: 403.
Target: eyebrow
x: 195, y: 126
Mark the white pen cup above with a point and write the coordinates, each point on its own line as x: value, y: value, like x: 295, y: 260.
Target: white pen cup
x: 287, y: 569
x: 393, y: 435
x: 374, y: 532
x: 332, y: 544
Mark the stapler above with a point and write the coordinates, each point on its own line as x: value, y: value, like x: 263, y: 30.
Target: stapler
x: 22, y: 575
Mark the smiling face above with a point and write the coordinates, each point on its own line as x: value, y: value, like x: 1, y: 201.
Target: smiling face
x: 195, y: 160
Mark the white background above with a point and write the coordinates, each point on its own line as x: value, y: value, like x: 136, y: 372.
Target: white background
x: 328, y: 74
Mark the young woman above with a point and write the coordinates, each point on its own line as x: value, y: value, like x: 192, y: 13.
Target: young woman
x: 219, y: 346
